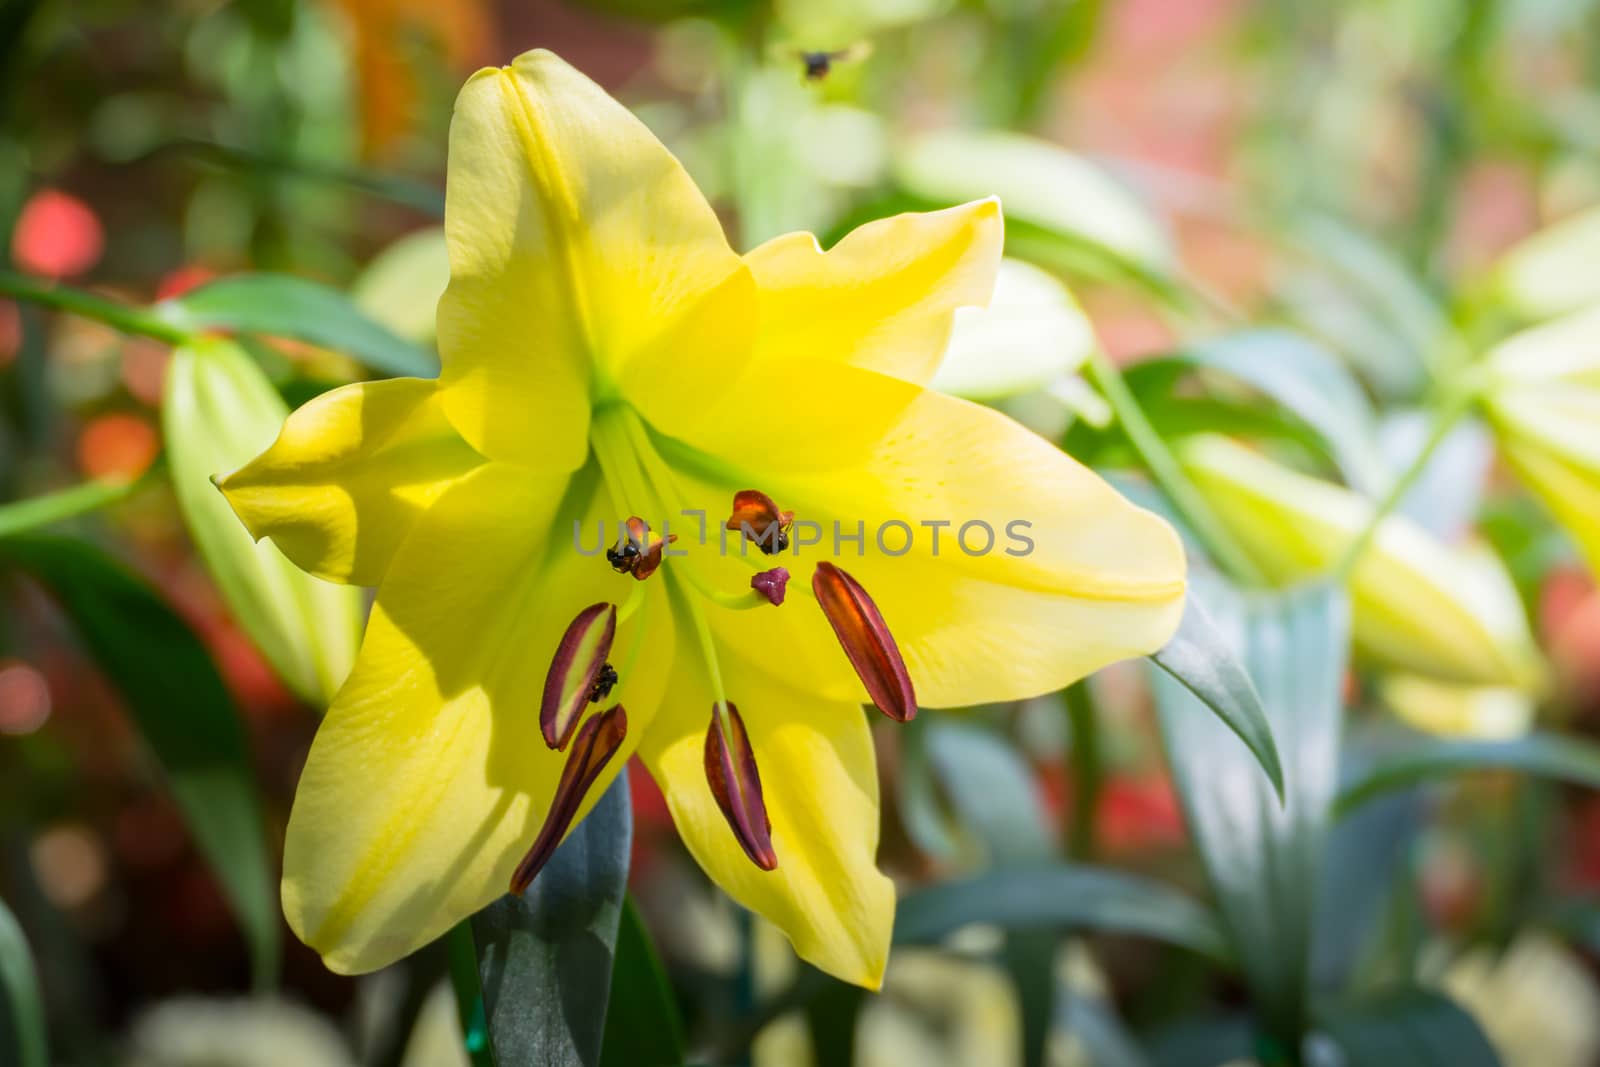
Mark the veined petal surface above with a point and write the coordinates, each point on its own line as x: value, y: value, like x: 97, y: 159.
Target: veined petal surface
x: 429, y: 778
x: 885, y: 296
x: 349, y: 475
x: 580, y: 253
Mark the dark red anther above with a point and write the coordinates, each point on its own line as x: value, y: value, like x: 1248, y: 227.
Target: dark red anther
x: 579, y: 662
x: 755, y: 513
x: 736, y: 784
x: 597, y: 741
x: 866, y: 639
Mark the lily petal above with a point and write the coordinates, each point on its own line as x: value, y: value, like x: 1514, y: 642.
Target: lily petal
x: 1076, y: 576
x: 348, y: 476
x: 579, y: 249
x: 429, y: 779
x: 885, y: 296
x: 820, y: 789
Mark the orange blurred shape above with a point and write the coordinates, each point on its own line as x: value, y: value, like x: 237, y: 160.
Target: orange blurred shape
x: 57, y: 235
x: 1569, y: 616
x: 182, y: 280
x: 144, y: 369
x: 70, y: 864
x: 117, y: 446
x: 386, y: 59
x: 24, y: 698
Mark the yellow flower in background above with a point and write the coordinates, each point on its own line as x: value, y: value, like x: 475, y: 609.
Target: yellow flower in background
x: 1542, y: 394
x: 608, y: 361
x: 1490, y: 713
x: 1418, y: 605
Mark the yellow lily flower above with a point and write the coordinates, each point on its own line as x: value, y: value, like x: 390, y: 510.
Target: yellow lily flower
x: 1542, y: 395
x: 609, y: 361
x: 1417, y: 605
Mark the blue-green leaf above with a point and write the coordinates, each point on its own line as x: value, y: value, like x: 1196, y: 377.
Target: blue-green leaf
x: 281, y: 305
x: 1059, y: 896
x: 1201, y: 657
x: 545, y: 958
x: 22, y: 1029
x: 1410, y: 1026
x: 183, y: 712
x: 1263, y: 856
x: 990, y: 788
x: 1567, y: 759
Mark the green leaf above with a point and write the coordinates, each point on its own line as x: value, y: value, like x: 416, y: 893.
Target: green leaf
x: 1264, y: 856
x: 990, y: 788
x: 281, y: 305
x: 545, y: 958
x: 1060, y: 896
x: 1051, y: 197
x: 183, y: 712
x: 218, y: 413
x: 22, y: 1029
x: 1566, y: 759
x: 642, y: 1023
x: 1309, y: 381
x: 1201, y: 658
x: 1411, y: 1026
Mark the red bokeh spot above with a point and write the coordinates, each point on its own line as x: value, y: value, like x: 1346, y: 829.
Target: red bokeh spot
x: 57, y: 236
x: 117, y: 447
x: 182, y: 280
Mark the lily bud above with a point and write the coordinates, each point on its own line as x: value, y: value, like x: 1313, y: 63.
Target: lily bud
x: 1418, y: 605
x: 1543, y: 398
x: 218, y: 413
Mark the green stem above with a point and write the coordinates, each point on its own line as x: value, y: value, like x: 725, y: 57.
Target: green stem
x: 463, y: 952
x: 1163, y: 467
x: 124, y: 317
x: 1086, y: 771
x: 1450, y: 413
x: 24, y: 515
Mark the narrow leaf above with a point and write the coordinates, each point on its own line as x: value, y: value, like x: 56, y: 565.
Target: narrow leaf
x: 1411, y: 1026
x: 1566, y: 759
x: 183, y: 712
x: 22, y: 1028
x: 281, y: 305
x: 1202, y: 659
x: 990, y: 788
x: 545, y: 957
x: 1263, y: 855
x: 1058, y: 895
x: 643, y: 1027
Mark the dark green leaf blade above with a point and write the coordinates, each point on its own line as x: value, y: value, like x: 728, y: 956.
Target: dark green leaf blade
x: 1201, y: 658
x: 1263, y: 856
x: 281, y: 305
x: 545, y: 958
x: 1566, y: 759
x: 183, y: 712
x: 1416, y: 1027
x: 1060, y: 896
x: 643, y: 1027
x: 22, y: 1029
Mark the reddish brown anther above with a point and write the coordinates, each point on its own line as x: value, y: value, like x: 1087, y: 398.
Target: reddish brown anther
x: 758, y: 516
x: 638, y: 551
x: 736, y: 784
x: 579, y: 661
x: 773, y: 584
x: 866, y: 640
x: 597, y: 741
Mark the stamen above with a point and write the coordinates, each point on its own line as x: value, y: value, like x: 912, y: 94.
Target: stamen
x: 866, y: 640
x: 576, y: 671
x: 638, y: 551
x: 758, y: 516
x: 771, y: 584
x: 596, y: 743
x: 735, y: 782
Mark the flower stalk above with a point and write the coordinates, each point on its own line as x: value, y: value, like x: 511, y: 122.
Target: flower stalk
x: 124, y: 317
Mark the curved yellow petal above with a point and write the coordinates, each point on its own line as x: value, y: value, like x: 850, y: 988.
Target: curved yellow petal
x: 1004, y: 567
x: 429, y: 778
x: 820, y: 784
x: 348, y: 476
x: 577, y: 245
x: 1418, y: 605
x: 885, y: 296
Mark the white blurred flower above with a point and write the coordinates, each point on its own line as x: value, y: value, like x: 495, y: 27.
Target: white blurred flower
x: 207, y: 1032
